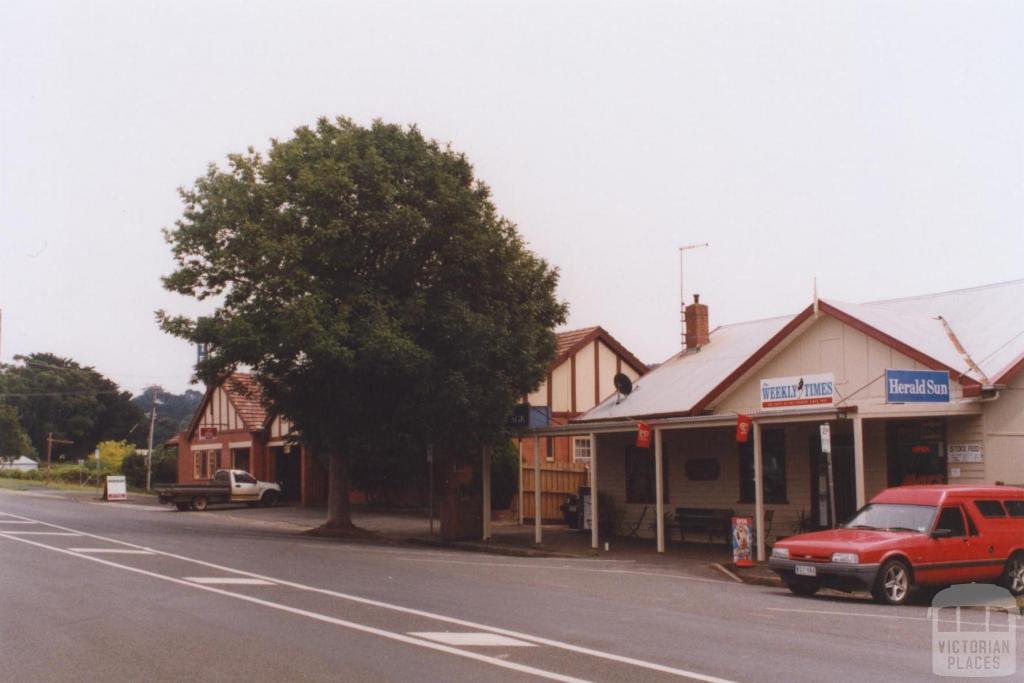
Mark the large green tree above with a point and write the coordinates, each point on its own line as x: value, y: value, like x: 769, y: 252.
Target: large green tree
x: 367, y: 279
x: 14, y: 441
x: 56, y: 394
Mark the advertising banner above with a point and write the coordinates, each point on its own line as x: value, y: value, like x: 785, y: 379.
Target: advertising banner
x: 916, y: 386
x: 643, y: 435
x: 743, y: 426
x: 742, y: 530
x: 804, y: 391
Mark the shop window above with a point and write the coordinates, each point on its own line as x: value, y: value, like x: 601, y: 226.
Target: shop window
x: 204, y: 464
x: 773, y: 455
x: 581, y: 450
x: 640, y: 476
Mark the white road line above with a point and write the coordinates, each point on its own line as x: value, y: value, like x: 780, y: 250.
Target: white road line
x: 579, y: 649
x: 227, y: 581
x: 111, y: 551
x: 16, y: 521
x: 402, y: 638
x: 40, y: 533
x: 471, y: 639
x: 837, y: 613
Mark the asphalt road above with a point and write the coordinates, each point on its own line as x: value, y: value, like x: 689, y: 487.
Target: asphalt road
x: 92, y: 591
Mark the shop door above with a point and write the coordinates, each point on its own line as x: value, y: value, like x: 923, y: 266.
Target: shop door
x: 843, y: 475
x: 288, y: 473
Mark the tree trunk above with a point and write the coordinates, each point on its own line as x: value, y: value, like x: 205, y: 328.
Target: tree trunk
x: 339, y: 513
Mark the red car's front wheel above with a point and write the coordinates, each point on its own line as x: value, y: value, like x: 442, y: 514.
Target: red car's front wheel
x: 892, y: 586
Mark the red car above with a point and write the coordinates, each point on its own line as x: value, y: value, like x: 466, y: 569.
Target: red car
x: 913, y: 535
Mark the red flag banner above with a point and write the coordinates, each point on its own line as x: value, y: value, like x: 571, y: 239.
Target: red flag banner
x: 743, y: 427
x: 643, y: 435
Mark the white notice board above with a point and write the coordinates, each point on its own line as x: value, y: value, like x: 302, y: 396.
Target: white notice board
x: 117, y: 488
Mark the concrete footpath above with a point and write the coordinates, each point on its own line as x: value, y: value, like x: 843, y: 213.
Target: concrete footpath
x: 393, y: 527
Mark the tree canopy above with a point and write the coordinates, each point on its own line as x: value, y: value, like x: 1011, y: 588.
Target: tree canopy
x: 367, y: 279
x: 173, y: 412
x: 14, y: 441
x: 55, y: 394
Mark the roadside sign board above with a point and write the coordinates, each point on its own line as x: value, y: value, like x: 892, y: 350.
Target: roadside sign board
x: 117, y: 488
x: 742, y: 540
x: 916, y: 386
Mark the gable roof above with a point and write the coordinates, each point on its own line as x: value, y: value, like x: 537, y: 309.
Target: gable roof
x: 245, y: 395
x: 976, y: 334
x: 571, y: 341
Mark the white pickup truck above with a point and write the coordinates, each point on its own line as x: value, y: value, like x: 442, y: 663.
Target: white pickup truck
x: 227, y: 486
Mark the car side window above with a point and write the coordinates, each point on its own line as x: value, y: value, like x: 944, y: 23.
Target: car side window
x: 952, y: 519
x: 221, y: 475
x: 1015, y: 507
x: 990, y: 508
x: 243, y: 478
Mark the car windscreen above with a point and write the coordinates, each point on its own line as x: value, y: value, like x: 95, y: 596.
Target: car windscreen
x: 890, y: 516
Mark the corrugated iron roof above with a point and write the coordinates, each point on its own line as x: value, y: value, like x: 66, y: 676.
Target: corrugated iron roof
x: 985, y: 322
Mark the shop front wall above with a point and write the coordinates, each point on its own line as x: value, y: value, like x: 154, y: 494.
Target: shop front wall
x: 1003, y: 424
x: 711, y: 481
x: 857, y: 361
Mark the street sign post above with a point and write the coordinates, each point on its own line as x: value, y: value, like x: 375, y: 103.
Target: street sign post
x: 826, y: 448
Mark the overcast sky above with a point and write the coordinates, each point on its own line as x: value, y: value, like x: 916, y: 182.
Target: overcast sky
x: 877, y: 146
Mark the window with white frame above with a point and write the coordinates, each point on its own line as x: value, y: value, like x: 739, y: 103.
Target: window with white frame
x: 581, y: 449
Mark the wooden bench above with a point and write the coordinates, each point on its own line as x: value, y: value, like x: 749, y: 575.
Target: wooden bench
x: 711, y: 521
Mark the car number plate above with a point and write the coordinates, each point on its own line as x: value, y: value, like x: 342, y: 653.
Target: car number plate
x: 806, y: 570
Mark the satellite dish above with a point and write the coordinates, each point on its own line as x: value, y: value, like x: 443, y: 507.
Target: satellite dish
x: 623, y: 384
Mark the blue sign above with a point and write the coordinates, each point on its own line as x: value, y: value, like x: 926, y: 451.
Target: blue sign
x: 916, y: 386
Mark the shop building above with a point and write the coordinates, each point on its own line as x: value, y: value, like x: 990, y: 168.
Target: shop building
x: 579, y: 378
x: 926, y: 389
x: 232, y: 429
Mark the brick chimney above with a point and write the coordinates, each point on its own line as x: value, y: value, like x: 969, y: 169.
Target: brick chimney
x: 697, y: 334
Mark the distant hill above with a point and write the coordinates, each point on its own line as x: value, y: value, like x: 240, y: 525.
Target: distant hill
x: 173, y: 411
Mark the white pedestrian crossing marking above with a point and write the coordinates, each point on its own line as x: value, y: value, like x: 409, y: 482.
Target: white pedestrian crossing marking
x: 112, y: 551
x: 471, y: 639
x: 227, y: 581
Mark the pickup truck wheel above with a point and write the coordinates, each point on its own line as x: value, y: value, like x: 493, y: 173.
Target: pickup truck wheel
x: 199, y: 503
x: 1013, y: 577
x: 892, y: 586
x: 182, y: 506
x: 269, y: 499
x: 803, y: 587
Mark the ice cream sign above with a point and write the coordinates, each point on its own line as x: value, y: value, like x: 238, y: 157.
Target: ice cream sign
x: 804, y: 391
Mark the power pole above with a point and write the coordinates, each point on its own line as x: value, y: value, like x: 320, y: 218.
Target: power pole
x: 49, y: 451
x: 149, y: 452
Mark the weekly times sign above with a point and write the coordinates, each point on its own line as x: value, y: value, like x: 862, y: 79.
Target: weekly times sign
x: 805, y: 391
